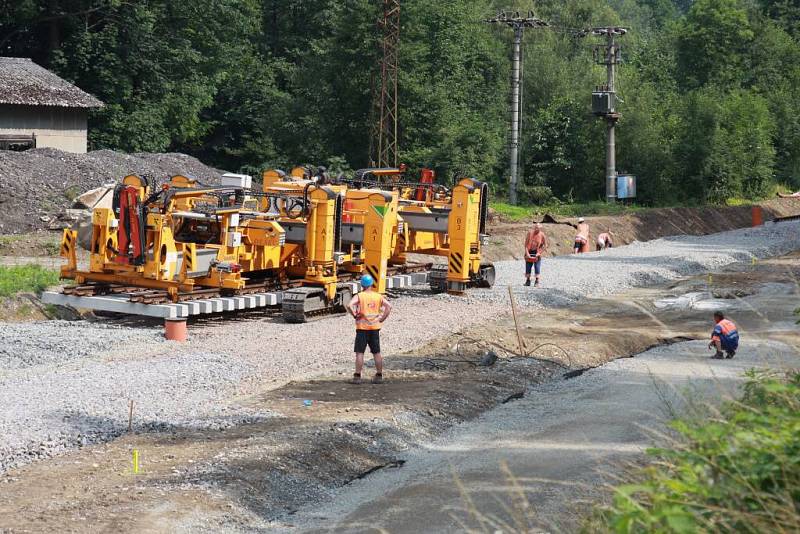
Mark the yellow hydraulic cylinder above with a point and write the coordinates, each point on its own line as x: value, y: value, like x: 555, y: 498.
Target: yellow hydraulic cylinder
x: 463, y: 231
x: 104, y: 239
x: 380, y: 231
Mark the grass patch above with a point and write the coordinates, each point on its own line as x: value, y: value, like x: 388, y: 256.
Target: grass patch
x: 737, y: 470
x: 578, y: 209
x: 21, y: 278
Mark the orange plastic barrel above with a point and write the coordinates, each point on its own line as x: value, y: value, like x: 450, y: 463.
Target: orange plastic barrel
x: 175, y: 330
x: 758, y: 216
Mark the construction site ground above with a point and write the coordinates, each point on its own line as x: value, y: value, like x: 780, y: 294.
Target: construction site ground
x: 560, y: 437
x: 250, y: 425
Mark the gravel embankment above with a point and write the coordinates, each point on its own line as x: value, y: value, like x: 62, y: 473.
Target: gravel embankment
x: 64, y: 384
x: 567, y: 279
x: 39, y: 184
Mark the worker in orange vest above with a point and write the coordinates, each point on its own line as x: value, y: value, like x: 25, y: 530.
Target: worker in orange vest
x: 535, y: 247
x: 581, y: 237
x: 605, y: 240
x: 724, y: 337
x: 370, y: 309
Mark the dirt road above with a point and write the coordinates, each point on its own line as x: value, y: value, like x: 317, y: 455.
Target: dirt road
x: 540, y: 462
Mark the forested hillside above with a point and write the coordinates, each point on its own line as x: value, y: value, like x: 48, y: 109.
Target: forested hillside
x: 710, y: 89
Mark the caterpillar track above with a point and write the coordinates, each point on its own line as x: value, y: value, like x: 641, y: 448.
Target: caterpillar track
x: 484, y: 278
x: 303, y: 302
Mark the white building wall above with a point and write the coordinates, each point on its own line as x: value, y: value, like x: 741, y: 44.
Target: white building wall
x: 56, y: 127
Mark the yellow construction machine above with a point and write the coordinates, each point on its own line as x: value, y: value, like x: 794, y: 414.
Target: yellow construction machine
x: 440, y: 221
x: 177, y: 239
x: 346, y: 233
x: 303, y: 235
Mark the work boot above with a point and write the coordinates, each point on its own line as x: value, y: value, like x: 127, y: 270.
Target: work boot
x: 356, y: 379
x: 536, y: 283
x: 731, y: 354
x: 528, y: 282
x: 378, y: 378
x: 718, y: 356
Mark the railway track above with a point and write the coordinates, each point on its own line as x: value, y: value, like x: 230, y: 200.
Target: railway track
x: 154, y: 296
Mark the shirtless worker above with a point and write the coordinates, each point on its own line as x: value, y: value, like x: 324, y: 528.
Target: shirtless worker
x: 605, y: 241
x: 724, y: 337
x: 370, y: 309
x: 582, y: 237
x: 535, y: 246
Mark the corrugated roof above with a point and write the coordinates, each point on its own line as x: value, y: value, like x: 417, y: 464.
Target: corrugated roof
x: 24, y: 82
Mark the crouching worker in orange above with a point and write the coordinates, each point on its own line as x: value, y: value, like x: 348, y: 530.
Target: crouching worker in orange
x: 724, y: 337
x: 604, y: 241
x: 370, y: 309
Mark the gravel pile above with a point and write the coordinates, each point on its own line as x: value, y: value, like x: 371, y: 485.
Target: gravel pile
x: 37, y: 185
x: 65, y: 384
x: 25, y: 345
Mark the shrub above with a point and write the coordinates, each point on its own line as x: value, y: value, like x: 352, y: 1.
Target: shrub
x: 738, y: 471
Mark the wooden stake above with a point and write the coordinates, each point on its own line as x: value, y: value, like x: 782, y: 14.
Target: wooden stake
x: 516, y: 323
x: 130, y: 417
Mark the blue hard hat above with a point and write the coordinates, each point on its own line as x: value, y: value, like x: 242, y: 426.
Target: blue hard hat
x: 367, y: 281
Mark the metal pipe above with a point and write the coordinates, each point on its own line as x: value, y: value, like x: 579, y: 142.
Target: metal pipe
x: 193, y: 215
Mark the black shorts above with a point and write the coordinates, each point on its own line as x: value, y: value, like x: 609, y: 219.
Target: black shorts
x: 368, y: 337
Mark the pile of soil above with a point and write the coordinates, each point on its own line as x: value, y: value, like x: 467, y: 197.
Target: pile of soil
x: 39, y: 184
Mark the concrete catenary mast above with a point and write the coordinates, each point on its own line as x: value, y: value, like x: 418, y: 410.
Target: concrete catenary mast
x: 604, y: 100
x: 518, y: 23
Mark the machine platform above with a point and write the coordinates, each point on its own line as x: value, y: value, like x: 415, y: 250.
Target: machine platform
x: 121, y: 302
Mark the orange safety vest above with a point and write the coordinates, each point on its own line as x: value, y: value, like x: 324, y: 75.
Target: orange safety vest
x: 369, y: 310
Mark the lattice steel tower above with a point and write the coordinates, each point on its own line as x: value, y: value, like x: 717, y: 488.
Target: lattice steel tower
x: 383, y: 151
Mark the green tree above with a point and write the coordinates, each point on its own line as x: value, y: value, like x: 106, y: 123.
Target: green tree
x: 712, y: 43
x: 727, y: 145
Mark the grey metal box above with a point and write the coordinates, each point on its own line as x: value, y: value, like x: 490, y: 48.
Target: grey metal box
x: 603, y: 102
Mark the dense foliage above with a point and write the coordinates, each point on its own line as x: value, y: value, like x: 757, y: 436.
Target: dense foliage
x: 710, y: 88
x: 737, y: 471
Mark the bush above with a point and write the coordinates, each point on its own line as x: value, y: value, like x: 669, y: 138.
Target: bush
x: 19, y: 278
x: 738, y: 471
x: 536, y: 194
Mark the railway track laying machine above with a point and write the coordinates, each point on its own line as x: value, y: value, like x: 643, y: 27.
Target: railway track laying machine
x: 306, y: 236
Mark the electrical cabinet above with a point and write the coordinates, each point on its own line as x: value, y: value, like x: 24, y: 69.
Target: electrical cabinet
x: 604, y: 102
